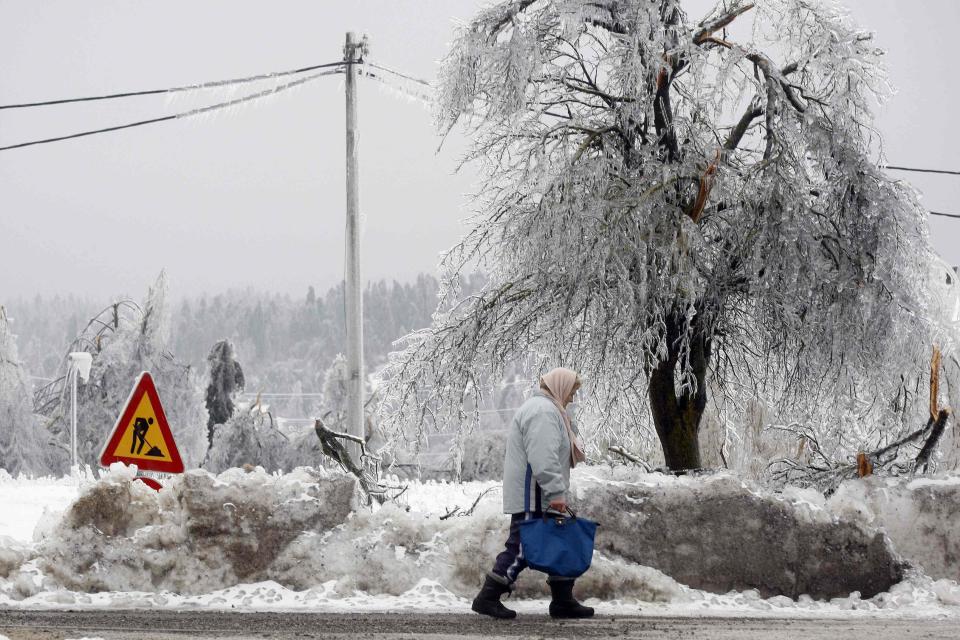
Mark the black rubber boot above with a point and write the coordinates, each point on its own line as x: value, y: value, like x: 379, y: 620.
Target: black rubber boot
x: 563, y: 604
x: 488, y: 602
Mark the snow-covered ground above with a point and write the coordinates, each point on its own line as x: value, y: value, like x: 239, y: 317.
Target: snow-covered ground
x: 31, y: 509
x: 24, y: 501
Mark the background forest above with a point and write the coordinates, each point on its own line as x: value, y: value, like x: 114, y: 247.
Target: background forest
x: 287, y: 349
x: 285, y: 344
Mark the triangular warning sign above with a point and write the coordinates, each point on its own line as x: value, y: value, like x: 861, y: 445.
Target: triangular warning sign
x: 142, y: 435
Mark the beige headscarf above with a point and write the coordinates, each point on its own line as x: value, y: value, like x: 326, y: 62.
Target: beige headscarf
x: 557, y: 385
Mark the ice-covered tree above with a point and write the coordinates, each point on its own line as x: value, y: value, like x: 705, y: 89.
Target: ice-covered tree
x: 24, y: 442
x: 124, y: 340
x: 670, y: 205
x: 226, y: 380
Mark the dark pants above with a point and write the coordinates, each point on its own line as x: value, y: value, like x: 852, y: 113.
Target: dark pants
x: 510, y: 562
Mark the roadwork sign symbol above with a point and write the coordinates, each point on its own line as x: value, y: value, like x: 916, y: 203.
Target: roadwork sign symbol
x: 142, y: 435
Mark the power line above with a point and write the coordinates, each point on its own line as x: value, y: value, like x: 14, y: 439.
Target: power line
x: 397, y: 73
x: 915, y: 170
x: 176, y: 116
x: 82, y: 134
x: 392, y: 86
x: 945, y: 215
x: 193, y: 87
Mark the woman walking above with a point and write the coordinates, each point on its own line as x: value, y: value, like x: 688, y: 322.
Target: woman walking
x: 542, y: 436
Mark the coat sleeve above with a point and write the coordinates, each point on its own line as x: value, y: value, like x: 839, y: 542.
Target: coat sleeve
x: 541, y: 440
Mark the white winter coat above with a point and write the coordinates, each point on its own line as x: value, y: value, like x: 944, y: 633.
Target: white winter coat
x: 536, y: 437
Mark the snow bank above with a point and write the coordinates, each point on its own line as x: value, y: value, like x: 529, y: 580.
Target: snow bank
x: 13, y: 554
x: 271, y: 542
x: 198, y: 534
x: 203, y: 533
x: 920, y: 515
x: 720, y: 534
x: 390, y: 551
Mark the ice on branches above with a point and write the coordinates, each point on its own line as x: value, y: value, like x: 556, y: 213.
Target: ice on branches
x: 682, y: 204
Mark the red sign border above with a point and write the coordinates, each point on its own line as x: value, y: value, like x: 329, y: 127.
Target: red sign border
x: 143, y: 385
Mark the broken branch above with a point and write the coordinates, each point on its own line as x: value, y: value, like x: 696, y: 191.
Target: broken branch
x: 707, y: 30
x: 620, y: 451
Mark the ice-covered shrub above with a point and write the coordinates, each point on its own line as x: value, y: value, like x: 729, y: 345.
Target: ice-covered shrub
x: 247, y: 438
x: 251, y: 439
x: 483, y: 453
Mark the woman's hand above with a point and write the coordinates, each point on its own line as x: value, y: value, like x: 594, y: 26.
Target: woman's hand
x: 558, y: 505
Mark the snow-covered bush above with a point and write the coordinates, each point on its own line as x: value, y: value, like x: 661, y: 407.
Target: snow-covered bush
x: 483, y: 453
x: 248, y: 438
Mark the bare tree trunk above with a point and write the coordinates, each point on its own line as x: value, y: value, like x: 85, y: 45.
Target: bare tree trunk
x: 677, y: 416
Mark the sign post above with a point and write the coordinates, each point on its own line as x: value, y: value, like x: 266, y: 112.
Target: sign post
x: 79, y: 364
x: 142, y: 434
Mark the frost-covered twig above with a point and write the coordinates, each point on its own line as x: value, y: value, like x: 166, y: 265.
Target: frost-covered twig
x: 469, y: 512
x: 620, y: 451
x: 887, y: 459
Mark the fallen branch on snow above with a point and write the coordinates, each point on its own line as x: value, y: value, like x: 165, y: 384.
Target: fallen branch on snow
x: 828, y: 474
x: 620, y: 451
x: 469, y: 512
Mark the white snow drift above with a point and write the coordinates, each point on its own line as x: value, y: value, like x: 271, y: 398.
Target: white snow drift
x: 253, y: 539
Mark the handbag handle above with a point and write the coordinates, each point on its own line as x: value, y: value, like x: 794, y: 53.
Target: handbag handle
x: 568, y: 514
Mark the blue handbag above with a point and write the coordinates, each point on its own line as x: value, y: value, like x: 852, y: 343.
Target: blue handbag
x: 557, y: 545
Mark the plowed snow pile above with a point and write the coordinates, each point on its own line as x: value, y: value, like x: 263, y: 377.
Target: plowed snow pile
x: 920, y: 515
x: 201, y: 533
x: 720, y: 534
x: 253, y: 539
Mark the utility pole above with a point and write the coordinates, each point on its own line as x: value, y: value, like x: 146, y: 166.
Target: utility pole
x: 352, y: 54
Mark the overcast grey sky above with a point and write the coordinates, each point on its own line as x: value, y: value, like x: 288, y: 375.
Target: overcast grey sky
x: 256, y: 197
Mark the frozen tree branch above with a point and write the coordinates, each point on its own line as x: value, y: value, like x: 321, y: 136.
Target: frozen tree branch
x: 707, y: 30
x: 456, y: 511
x: 333, y: 448
x: 923, y: 458
x: 630, y: 231
x: 623, y: 453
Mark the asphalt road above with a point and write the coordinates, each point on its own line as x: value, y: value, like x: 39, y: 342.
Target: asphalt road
x: 181, y: 625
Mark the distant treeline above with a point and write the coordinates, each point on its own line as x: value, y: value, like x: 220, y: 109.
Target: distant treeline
x: 285, y: 344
